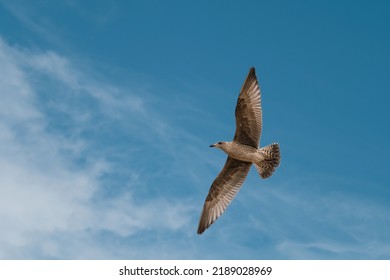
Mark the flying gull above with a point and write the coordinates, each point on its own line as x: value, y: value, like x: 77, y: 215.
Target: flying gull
x: 242, y: 152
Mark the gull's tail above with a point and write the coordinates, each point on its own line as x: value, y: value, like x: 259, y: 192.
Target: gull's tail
x: 271, y: 160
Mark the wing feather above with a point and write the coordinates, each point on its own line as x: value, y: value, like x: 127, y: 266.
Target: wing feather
x: 248, y: 112
x: 222, y: 191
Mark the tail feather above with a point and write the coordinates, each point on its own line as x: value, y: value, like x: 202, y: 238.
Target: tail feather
x: 271, y: 160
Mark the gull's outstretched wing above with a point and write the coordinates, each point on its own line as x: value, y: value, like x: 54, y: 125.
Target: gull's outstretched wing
x: 248, y: 112
x: 222, y: 191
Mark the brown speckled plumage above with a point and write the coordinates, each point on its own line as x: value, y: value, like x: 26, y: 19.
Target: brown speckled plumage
x: 242, y: 152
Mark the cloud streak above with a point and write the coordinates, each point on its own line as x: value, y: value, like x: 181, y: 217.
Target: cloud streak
x: 56, y: 184
x: 93, y: 169
x: 306, y: 221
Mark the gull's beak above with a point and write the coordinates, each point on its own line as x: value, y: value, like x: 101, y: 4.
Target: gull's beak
x: 212, y: 146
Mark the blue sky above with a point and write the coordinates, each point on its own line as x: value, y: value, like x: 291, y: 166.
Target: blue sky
x: 107, y: 111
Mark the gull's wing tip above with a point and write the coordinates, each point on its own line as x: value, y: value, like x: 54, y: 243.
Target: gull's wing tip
x: 203, y: 223
x: 206, y: 220
x: 252, y: 74
x: 200, y: 230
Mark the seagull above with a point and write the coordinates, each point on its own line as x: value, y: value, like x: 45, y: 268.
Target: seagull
x: 242, y: 152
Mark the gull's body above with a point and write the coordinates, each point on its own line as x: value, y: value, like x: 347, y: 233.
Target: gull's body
x: 242, y: 152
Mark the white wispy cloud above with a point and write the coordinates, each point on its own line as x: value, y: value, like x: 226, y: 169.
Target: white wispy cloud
x: 53, y: 183
x: 303, y: 220
x: 90, y: 169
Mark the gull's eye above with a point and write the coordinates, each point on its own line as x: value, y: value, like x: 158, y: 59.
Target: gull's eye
x: 219, y: 143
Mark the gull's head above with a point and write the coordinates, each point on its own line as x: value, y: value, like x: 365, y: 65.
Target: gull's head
x: 218, y: 145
